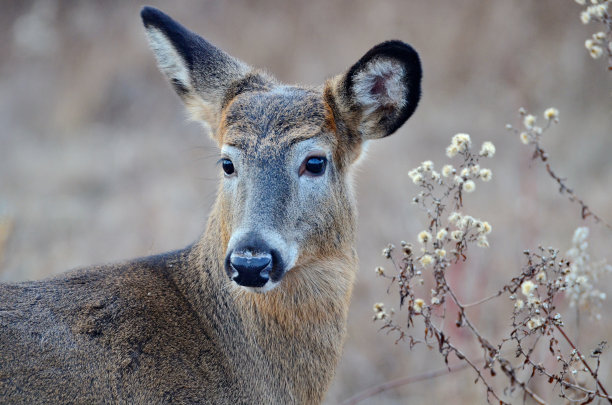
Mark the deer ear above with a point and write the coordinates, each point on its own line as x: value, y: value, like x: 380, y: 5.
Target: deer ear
x: 200, y: 73
x: 379, y: 92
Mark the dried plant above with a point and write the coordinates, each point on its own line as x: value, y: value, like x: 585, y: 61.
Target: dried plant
x: 584, y: 276
x: 531, y: 134
x: 598, y: 11
x: 536, y: 344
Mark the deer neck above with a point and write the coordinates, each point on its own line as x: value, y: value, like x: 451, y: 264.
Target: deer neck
x: 294, y: 334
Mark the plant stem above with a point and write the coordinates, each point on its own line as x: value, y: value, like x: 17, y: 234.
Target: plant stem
x: 569, y: 341
x: 377, y: 389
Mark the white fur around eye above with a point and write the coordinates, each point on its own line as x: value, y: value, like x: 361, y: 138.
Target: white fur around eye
x: 380, y: 84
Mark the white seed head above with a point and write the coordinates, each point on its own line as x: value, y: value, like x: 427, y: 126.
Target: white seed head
x: 418, y: 305
x: 381, y: 315
x: 448, y: 170
x: 487, y: 149
x: 534, y: 302
x: 601, y: 9
x: 462, y: 142
x: 524, y: 138
x: 585, y: 17
x: 541, y: 277
x: 482, y: 242
x: 454, y: 218
x: 485, y: 174
x: 424, y: 237
x: 527, y: 287
x: 599, y: 36
x: 386, y: 252
x: 425, y: 260
x: 427, y: 165
x: 580, y: 235
x: 465, y: 172
x: 440, y: 252
x: 596, y: 51
x: 379, y: 307
x: 451, y: 151
x: 529, y: 121
x: 588, y: 44
x: 551, y: 113
x: 458, y: 180
x: 457, y: 235
x: 486, y: 227
x: 441, y: 234
x: 469, y: 186
x: 534, y: 323
x: 519, y: 304
x: 466, y: 221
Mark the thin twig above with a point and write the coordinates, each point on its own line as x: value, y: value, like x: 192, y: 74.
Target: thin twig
x: 558, y: 379
x: 581, y: 357
x: 377, y: 389
x: 585, y: 211
x: 482, y: 301
x: 491, y: 349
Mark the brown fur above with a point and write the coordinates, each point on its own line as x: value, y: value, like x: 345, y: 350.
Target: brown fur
x: 174, y: 327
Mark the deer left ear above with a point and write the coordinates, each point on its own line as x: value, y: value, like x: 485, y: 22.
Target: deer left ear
x: 379, y: 92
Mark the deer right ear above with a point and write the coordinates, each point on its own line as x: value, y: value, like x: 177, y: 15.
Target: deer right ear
x: 379, y: 92
x: 200, y: 73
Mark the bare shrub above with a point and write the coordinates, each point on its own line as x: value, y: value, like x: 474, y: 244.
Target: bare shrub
x: 535, y: 343
x: 600, y: 43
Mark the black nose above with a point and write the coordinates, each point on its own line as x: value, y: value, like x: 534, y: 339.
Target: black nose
x: 250, y: 269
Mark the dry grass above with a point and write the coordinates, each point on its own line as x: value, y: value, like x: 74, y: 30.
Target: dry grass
x: 97, y: 162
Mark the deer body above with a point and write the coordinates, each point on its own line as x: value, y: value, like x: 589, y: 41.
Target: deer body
x: 255, y: 311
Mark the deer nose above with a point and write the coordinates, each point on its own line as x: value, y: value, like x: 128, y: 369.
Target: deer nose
x: 250, y: 269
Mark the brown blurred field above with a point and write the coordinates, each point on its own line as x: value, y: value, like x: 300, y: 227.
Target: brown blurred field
x: 99, y: 164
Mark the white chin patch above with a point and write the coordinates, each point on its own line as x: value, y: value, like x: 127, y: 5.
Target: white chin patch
x: 269, y: 286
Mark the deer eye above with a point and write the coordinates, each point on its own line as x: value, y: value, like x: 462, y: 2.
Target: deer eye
x: 228, y: 166
x: 313, y: 166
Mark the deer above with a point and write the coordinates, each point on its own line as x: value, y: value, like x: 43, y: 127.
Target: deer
x: 255, y: 310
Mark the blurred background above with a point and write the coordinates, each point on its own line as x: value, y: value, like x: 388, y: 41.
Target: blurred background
x: 98, y: 162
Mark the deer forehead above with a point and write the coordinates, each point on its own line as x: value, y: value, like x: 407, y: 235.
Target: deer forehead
x: 275, y: 120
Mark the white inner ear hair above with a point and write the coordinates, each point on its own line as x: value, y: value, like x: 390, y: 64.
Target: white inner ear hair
x: 380, y: 84
x: 168, y: 59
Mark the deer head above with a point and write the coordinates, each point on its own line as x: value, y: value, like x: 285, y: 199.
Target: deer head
x: 286, y: 152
